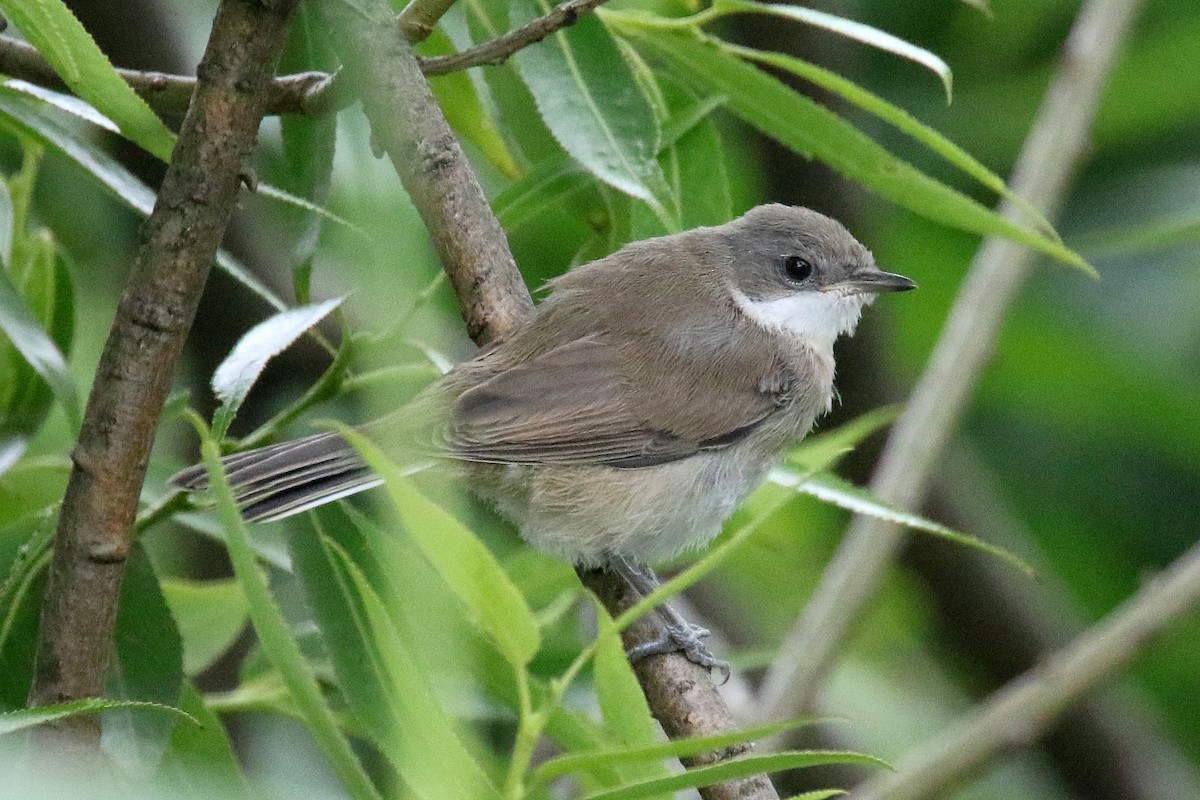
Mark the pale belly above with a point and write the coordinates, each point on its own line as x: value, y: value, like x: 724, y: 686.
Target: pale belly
x: 588, y: 515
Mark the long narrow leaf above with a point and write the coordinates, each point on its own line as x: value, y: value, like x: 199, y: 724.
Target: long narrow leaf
x: 850, y: 29
x: 275, y: 636
x: 898, y: 117
x: 51, y: 27
x: 37, y: 121
x: 814, y: 131
x: 383, y: 680
x: 677, y: 748
x: 738, y: 768
x: 33, y: 342
x: 29, y: 717
x: 586, y: 95
x: 556, y: 178
x: 236, y: 375
x: 832, y: 489
x: 471, y: 572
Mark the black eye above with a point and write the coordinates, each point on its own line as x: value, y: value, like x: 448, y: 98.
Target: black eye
x: 796, y: 268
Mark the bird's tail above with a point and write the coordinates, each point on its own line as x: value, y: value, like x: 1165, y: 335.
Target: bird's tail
x: 283, y: 479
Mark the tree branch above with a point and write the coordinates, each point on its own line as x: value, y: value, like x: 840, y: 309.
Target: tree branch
x: 1020, y: 712
x: 500, y: 50
x: 680, y: 693
x: 301, y: 93
x: 305, y: 93
x: 179, y: 242
x: 418, y: 19
x: 409, y: 126
x: 1044, y: 169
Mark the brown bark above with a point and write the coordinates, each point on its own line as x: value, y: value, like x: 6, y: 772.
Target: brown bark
x: 180, y: 240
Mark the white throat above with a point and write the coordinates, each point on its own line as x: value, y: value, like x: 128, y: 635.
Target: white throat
x: 818, y: 318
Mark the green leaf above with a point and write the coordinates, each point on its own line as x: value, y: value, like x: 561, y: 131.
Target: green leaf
x: 210, y: 616
x: 51, y: 27
x: 147, y: 667
x: 28, y: 540
x: 693, y: 159
x: 738, y: 768
x: 28, y: 334
x: 832, y: 489
x: 898, y: 117
x: 587, y: 97
x: 818, y: 794
x: 622, y: 703
x: 471, y: 572
x: 676, y: 748
x: 203, y: 753
x: 236, y: 375
x: 383, y: 681
x: 822, y: 450
x: 814, y: 131
x: 23, y: 718
x: 557, y: 177
x: 34, y: 119
x: 850, y: 29
x: 274, y: 634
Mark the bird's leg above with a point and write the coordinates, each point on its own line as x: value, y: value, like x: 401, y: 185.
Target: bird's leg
x: 679, y: 635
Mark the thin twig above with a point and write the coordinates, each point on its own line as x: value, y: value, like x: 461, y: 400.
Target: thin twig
x: 304, y: 93
x: 164, y: 92
x: 1018, y: 714
x: 1047, y: 162
x: 500, y: 50
x: 181, y: 237
x: 418, y: 19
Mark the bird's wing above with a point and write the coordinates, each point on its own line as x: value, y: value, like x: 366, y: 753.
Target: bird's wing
x: 575, y: 405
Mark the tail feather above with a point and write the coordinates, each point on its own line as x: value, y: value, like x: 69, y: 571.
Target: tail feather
x: 283, y: 479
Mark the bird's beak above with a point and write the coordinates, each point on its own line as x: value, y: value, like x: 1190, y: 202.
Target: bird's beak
x: 875, y: 281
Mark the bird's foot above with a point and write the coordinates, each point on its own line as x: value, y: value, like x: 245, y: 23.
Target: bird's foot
x: 681, y: 638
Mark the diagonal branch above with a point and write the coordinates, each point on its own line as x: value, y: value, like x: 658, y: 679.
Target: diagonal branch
x: 1016, y: 715
x: 179, y: 242
x: 304, y: 93
x: 1044, y: 170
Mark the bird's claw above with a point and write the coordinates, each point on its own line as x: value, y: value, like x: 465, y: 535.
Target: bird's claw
x: 684, y: 639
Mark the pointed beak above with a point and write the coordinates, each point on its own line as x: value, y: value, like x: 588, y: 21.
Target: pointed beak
x: 875, y: 281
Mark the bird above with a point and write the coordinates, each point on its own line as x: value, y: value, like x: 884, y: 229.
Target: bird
x: 621, y: 424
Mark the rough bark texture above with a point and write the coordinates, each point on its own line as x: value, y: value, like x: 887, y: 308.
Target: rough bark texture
x: 408, y: 125
x: 680, y: 693
x: 180, y: 240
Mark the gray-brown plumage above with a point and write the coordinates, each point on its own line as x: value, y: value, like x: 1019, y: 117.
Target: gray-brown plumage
x: 647, y: 395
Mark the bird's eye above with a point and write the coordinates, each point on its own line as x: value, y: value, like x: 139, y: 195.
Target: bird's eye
x: 797, y: 269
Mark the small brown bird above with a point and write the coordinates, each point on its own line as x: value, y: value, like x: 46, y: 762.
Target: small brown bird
x: 624, y: 421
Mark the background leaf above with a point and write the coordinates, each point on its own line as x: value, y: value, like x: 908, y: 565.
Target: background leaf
x: 148, y: 667
x: 812, y: 130
x: 27, y: 333
x: 589, y: 100
x: 51, y: 27
x: 209, y: 614
x: 237, y: 373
